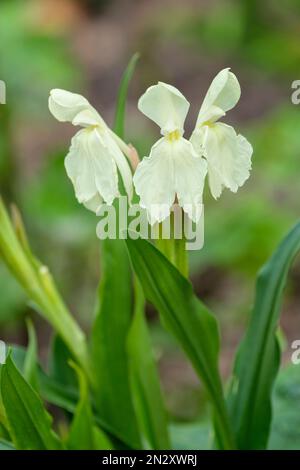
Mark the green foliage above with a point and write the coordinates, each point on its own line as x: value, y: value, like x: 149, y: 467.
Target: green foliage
x: 6, y: 445
x: 258, y: 358
x: 36, y: 55
x: 188, y: 320
x: 285, y: 430
x: 122, y: 96
x: 144, y: 378
x: 84, y: 435
x: 109, y: 335
x: 31, y: 358
x: 29, y: 422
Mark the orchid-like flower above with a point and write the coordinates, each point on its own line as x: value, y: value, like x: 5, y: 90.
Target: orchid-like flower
x: 95, y: 155
x: 228, y: 154
x: 173, y: 168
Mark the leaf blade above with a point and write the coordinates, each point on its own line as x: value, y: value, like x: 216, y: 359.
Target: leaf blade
x: 145, y: 383
x: 109, y: 355
x: 258, y: 358
x: 122, y: 96
x: 83, y: 434
x: 187, y: 319
x: 29, y: 423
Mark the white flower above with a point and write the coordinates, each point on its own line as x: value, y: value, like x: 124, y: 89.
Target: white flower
x: 228, y: 154
x: 94, y: 157
x: 173, y: 168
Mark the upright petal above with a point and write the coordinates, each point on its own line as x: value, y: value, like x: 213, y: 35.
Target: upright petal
x: 91, y: 168
x: 222, y: 95
x: 190, y: 172
x: 71, y: 107
x: 228, y: 156
x: 154, y: 181
x: 166, y: 106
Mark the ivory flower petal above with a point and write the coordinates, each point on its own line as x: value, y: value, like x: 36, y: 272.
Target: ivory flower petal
x: 190, y: 173
x: 173, y: 167
x: 91, y: 168
x: 228, y: 155
x: 166, y: 106
x: 65, y: 106
x: 222, y: 95
x: 154, y: 182
x: 94, y: 155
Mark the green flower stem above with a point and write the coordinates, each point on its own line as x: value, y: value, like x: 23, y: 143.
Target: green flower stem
x: 174, y: 248
x: 39, y: 285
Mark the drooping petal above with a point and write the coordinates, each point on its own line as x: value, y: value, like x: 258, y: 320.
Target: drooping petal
x: 222, y: 95
x: 121, y: 162
x: 166, y: 106
x: 94, y: 203
x: 71, y: 107
x: 91, y: 168
x: 154, y: 181
x: 190, y: 172
x: 228, y: 156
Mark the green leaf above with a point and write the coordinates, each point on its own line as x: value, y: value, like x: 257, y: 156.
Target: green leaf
x: 40, y: 287
x: 29, y: 422
x: 285, y: 429
x: 83, y: 434
x: 191, y: 436
x: 187, y: 319
x: 62, y: 394
x: 109, y: 335
x: 144, y: 379
x: 59, y: 364
x: 30, y: 365
x: 122, y: 96
x: 258, y: 357
x: 4, y: 445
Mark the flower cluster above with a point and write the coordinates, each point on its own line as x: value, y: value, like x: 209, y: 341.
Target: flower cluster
x: 176, y: 168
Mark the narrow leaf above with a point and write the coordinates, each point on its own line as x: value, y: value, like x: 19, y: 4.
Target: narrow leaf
x: 144, y: 378
x: 82, y: 434
x: 122, y: 96
x: 29, y: 422
x: 62, y: 394
x: 109, y: 335
x: 4, y: 445
x: 59, y: 364
x: 30, y: 365
x: 258, y: 358
x: 187, y: 319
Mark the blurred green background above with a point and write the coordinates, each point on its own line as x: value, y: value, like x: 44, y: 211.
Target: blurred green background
x: 84, y: 46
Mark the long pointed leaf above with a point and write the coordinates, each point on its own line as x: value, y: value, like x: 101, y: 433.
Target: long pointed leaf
x: 109, y: 335
x: 83, y: 433
x: 258, y: 358
x: 144, y: 378
x: 29, y: 422
x: 122, y: 96
x: 187, y: 318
